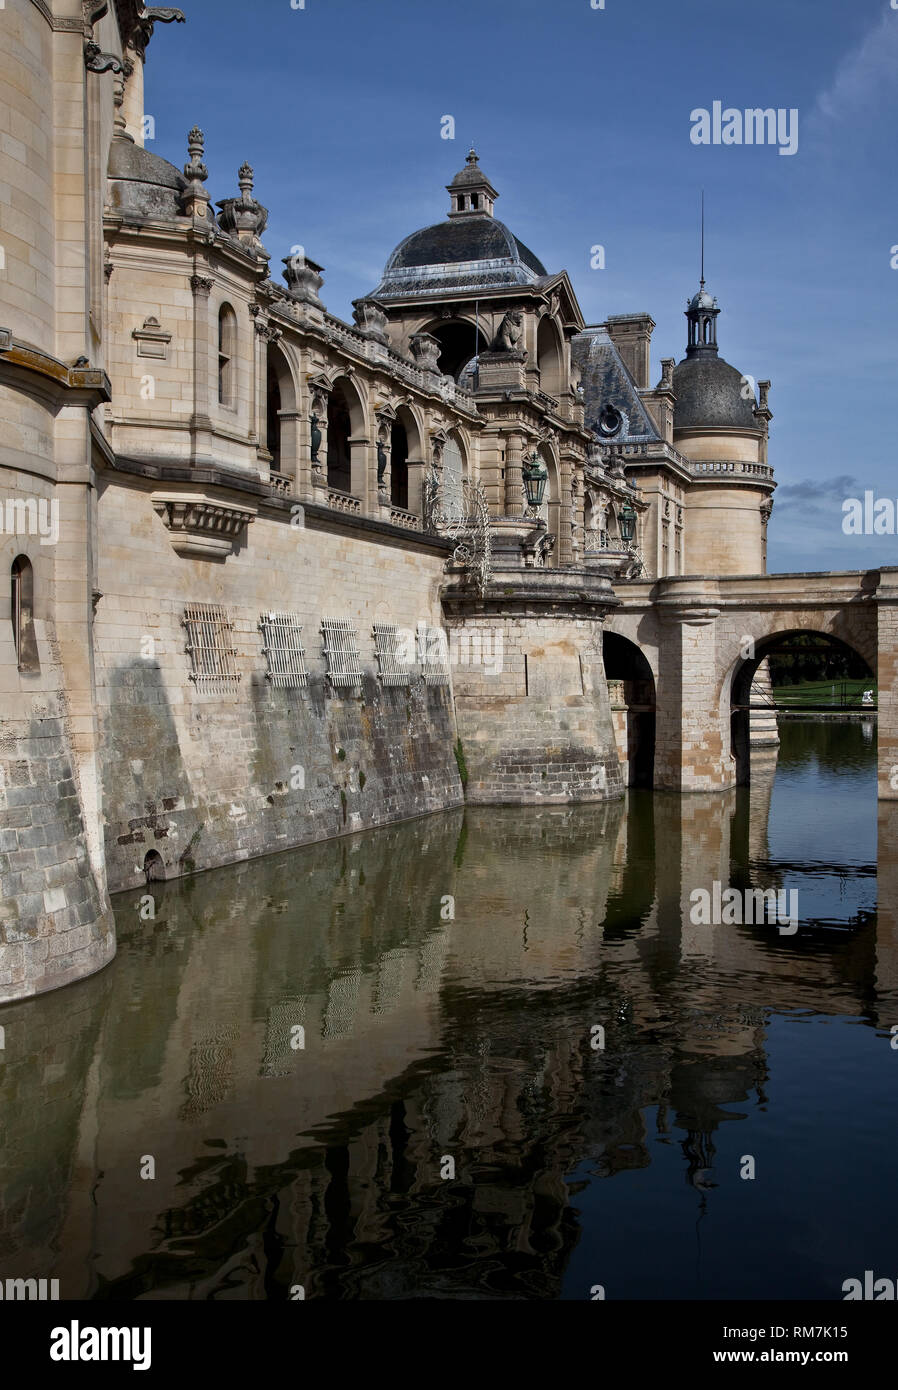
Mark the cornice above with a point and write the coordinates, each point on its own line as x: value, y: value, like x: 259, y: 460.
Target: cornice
x: 90, y: 384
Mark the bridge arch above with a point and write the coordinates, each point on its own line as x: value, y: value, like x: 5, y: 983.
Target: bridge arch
x: 631, y: 688
x: 736, y: 693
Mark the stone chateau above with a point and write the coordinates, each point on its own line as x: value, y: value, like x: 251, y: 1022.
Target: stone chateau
x: 274, y: 577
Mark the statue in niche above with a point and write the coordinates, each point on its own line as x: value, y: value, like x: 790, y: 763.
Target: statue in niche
x: 381, y: 461
x: 316, y: 437
x: 510, y: 333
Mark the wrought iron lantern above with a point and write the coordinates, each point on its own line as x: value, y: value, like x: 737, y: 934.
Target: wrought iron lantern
x: 535, y: 476
x: 626, y: 521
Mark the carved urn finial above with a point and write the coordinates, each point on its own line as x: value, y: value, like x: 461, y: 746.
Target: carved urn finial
x: 304, y: 279
x: 244, y: 217
x: 245, y: 181
x: 370, y: 319
x: 195, y: 198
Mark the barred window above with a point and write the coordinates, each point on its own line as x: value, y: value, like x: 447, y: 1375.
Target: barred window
x: 284, y: 652
x: 209, y: 645
x: 341, y: 652
x: 434, y: 650
x: 395, y: 668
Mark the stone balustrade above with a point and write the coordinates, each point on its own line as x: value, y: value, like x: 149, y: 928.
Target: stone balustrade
x: 344, y: 501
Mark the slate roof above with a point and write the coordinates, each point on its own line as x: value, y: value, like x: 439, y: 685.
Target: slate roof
x: 606, y: 381
x: 709, y: 393
x: 476, y: 251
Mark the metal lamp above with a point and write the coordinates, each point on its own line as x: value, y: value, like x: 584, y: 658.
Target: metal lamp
x: 535, y: 476
x: 626, y: 521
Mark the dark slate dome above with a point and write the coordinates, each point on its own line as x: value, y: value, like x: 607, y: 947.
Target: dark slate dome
x: 478, y: 238
x: 142, y: 183
x: 472, y: 249
x: 709, y: 394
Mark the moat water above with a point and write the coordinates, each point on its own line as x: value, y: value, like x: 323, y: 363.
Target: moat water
x: 165, y: 1135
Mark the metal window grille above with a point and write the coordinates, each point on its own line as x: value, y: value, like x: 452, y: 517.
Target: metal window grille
x: 341, y: 651
x: 284, y: 652
x: 434, y: 649
x: 212, y: 656
x: 393, y: 671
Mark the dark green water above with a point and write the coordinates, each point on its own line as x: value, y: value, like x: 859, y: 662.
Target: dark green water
x: 431, y: 1038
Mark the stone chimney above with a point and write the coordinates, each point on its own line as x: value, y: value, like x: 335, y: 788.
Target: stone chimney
x: 632, y: 336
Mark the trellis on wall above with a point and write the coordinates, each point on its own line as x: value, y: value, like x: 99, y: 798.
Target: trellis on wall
x: 461, y: 513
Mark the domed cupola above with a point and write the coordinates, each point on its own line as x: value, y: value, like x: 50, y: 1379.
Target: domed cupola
x: 710, y: 393
x: 471, y: 191
x: 701, y: 312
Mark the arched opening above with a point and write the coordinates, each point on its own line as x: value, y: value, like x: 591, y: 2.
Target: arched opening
x: 550, y: 358
x: 399, y: 465
x: 22, y: 613
x: 590, y: 525
x: 453, y: 477
x: 550, y: 509
x: 153, y: 866
x: 273, y: 418
x: 460, y: 342
x: 339, y: 433
x: 280, y: 425
x: 810, y: 672
x: 631, y: 689
x: 227, y: 356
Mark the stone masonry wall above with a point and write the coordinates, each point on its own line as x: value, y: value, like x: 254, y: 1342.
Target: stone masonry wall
x: 55, y: 923
x: 539, y: 730
x: 204, y: 779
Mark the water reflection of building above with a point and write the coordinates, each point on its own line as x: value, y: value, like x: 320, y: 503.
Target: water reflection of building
x: 424, y: 1037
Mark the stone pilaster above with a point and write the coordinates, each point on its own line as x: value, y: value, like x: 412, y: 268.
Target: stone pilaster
x: 201, y: 421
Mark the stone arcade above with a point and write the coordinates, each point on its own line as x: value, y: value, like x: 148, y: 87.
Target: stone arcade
x: 252, y: 500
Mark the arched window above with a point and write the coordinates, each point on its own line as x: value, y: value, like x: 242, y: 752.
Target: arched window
x: 227, y: 356
x: 273, y: 418
x: 339, y: 432
x: 550, y: 358
x: 453, y: 472
x: 22, y: 613
x: 399, y: 466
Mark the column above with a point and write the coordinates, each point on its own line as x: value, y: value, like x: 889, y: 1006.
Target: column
x: 514, y: 499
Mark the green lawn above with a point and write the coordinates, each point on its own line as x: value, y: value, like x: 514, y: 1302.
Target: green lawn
x: 823, y: 692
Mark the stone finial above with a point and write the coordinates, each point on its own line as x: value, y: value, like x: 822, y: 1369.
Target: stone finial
x: 244, y: 218
x: 304, y: 279
x: 195, y: 198
x: 425, y: 351
x: 370, y: 319
x: 245, y: 181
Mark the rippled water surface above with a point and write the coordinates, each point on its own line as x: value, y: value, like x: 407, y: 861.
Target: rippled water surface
x: 448, y: 978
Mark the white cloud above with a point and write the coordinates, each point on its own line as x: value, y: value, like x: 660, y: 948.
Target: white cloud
x: 862, y: 75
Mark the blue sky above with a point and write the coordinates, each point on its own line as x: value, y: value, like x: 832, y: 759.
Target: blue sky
x: 582, y: 121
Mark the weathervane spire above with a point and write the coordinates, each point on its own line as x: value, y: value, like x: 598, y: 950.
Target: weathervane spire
x: 703, y: 241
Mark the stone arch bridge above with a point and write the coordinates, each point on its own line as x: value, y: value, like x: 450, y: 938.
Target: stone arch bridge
x: 703, y: 638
